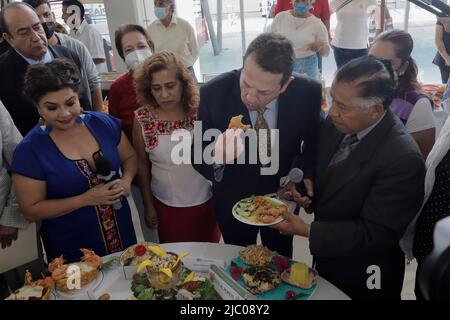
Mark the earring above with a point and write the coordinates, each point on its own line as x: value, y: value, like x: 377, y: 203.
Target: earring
x: 46, y: 129
x: 80, y: 117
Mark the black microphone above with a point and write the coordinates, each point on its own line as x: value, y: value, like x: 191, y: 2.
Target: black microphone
x: 295, y: 176
x: 105, y: 172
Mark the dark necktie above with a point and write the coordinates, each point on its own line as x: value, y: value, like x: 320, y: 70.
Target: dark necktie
x: 345, y: 148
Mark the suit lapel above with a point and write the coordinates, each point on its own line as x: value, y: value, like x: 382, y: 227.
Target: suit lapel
x: 363, y: 152
x: 331, y: 138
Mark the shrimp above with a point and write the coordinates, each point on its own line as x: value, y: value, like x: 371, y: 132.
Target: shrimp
x: 91, y: 258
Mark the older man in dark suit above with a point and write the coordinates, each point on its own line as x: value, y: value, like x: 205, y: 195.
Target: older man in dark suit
x: 268, y: 96
x: 26, y: 36
x: 369, y: 185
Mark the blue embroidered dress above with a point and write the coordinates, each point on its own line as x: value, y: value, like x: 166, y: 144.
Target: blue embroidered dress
x: 100, y: 228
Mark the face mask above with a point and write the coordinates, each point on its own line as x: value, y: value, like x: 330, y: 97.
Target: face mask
x: 49, y: 28
x: 135, y: 58
x: 302, y: 9
x: 160, y: 13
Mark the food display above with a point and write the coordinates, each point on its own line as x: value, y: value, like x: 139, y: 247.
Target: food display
x: 136, y: 254
x: 89, y: 266
x: 33, y: 290
x: 260, y: 279
x: 259, y: 210
x: 236, y: 123
x: 299, y: 275
x: 163, y: 268
x: 166, y: 278
x: 189, y: 287
x: 256, y: 255
x: 270, y: 276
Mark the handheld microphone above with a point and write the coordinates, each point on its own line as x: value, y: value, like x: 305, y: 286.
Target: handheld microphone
x: 295, y: 176
x: 105, y: 172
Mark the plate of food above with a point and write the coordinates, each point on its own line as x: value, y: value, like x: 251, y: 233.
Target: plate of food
x: 299, y: 275
x: 65, y: 275
x: 34, y: 290
x: 256, y: 255
x: 259, y: 210
x: 258, y: 280
x: 136, y: 254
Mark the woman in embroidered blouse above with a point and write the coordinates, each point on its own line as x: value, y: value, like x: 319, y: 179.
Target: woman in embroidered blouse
x: 177, y: 199
x: 54, y: 169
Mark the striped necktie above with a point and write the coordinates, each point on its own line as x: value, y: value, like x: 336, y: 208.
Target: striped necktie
x: 263, y: 140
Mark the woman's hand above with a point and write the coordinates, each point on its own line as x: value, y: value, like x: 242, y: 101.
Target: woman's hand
x: 123, y: 185
x: 151, y: 218
x: 7, y: 235
x: 104, y: 194
x: 316, y: 46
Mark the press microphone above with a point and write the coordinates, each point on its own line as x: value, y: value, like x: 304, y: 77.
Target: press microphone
x: 295, y: 175
x: 105, y: 172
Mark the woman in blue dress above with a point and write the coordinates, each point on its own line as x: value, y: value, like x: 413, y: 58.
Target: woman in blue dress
x: 54, y: 169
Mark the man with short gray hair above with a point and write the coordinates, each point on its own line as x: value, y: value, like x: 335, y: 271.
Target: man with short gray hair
x: 368, y: 186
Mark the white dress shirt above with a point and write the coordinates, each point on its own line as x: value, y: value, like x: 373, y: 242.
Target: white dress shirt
x: 9, y: 138
x: 178, y: 38
x: 93, y: 40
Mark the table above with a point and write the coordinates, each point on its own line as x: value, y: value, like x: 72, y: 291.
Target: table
x: 119, y: 288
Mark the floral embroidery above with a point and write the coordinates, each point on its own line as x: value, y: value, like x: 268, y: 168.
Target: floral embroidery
x: 105, y: 214
x: 152, y: 127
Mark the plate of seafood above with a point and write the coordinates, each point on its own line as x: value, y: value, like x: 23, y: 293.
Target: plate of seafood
x: 259, y: 210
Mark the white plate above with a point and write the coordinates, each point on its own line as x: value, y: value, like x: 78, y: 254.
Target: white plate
x: 84, y: 291
x: 246, y: 221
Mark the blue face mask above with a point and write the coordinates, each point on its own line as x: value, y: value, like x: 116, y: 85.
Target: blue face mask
x: 302, y: 8
x: 160, y: 13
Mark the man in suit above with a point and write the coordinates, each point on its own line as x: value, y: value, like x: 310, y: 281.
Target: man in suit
x: 369, y: 186
x: 265, y: 92
x: 26, y: 36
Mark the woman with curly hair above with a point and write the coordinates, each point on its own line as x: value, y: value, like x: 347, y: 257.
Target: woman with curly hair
x: 177, y: 199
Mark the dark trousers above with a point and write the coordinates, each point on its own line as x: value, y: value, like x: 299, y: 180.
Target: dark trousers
x: 445, y: 72
x: 342, y: 56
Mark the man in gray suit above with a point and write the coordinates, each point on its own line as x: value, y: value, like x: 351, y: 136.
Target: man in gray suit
x: 368, y: 186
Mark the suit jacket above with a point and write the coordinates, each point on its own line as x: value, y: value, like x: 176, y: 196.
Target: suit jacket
x: 364, y: 209
x: 12, y: 74
x: 298, y: 120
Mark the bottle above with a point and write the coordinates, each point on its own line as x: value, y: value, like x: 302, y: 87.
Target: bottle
x: 324, y: 92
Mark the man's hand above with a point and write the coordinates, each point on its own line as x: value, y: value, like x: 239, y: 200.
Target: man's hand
x: 7, y: 236
x: 292, y: 225
x: 229, y: 146
x: 290, y: 193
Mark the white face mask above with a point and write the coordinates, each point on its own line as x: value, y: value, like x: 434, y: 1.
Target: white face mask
x: 135, y: 58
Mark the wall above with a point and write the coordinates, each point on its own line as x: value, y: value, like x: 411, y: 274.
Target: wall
x: 233, y: 6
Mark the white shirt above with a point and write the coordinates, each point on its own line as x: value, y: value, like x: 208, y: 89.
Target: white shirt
x: 352, y: 28
x: 300, y: 31
x: 9, y: 138
x: 178, y: 38
x: 176, y: 185
x: 421, y: 117
x: 93, y: 40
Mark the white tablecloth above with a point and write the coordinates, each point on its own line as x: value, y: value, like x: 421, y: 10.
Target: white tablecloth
x: 119, y: 288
